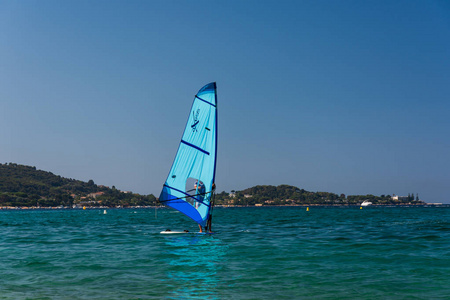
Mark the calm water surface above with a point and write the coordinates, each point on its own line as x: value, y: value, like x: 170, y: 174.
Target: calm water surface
x: 258, y: 253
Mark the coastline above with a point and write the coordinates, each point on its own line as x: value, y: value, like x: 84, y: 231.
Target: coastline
x: 226, y: 206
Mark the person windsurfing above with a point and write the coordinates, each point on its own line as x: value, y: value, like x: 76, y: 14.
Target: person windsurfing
x: 201, y: 195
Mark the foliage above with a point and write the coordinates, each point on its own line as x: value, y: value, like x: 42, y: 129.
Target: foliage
x: 291, y: 195
x: 25, y: 186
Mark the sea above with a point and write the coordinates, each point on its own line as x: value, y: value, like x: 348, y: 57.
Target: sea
x: 255, y: 253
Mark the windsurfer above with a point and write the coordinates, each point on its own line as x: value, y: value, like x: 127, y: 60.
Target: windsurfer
x: 200, y: 191
x: 200, y: 188
x: 190, y: 167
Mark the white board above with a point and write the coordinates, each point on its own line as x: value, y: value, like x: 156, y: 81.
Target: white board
x: 173, y: 232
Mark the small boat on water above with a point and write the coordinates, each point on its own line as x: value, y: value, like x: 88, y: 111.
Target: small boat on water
x: 366, y: 203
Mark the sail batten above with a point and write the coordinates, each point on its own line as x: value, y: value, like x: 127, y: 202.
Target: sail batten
x: 186, y: 196
x: 195, y: 147
x: 196, y: 96
x: 188, y: 187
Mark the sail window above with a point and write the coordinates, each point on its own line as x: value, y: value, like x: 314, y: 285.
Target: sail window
x: 196, y: 189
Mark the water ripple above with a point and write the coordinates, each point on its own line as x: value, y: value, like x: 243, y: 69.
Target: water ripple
x: 259, y: 253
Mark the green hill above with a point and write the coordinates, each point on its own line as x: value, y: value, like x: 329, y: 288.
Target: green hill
x: 291, y: 195
x: 25, y: 186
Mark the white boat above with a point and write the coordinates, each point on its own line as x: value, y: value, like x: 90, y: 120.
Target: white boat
x: 366, y: 203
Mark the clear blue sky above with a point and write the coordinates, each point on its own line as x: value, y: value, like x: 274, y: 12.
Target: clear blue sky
x: 347, y: 97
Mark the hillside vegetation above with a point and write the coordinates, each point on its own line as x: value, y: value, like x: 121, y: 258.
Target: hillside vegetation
x: 291, y: 195
x: 25, y: 186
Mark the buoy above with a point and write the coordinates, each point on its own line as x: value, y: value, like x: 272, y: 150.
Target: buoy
x: 84, y: 207
x: 360, y: 207
x: 307, y: 209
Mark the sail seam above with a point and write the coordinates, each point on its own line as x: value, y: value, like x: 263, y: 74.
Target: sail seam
x: 195, y: 147
x: 187, y: 196
x: 204, y: 100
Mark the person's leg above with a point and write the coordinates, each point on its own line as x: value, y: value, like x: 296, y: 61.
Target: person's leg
x: 209, y: 223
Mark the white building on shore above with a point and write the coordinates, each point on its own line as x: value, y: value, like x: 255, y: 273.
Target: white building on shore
x: 400, y: 198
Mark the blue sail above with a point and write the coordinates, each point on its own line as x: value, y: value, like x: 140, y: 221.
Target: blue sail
x: 188, y: 187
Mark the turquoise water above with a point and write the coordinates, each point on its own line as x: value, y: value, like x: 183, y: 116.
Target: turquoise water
x: 259, y: 253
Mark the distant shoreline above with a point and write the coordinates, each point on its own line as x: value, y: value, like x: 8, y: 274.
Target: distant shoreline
x: 25, y: 187
x: 228, y: 206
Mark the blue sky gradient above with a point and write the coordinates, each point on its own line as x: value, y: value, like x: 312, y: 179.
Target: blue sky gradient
x: 347, y: 97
